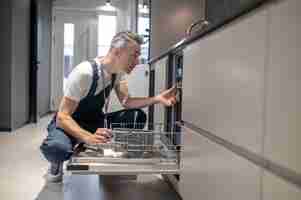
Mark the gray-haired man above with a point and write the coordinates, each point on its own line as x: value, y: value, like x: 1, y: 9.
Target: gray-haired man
x: 80, y: 117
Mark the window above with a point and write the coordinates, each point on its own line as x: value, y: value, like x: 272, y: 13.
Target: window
x: 106, y: 31
x: 68, y: 48
x: 143, y: 29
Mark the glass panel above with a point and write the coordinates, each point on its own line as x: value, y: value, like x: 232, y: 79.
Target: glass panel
x: 106, y: 31
x: 144, y: 28
x: 68, y: 48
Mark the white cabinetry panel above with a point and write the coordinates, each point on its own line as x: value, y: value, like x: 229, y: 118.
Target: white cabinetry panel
x: 224, y: 81
x: 283, y: 101
x: 211, y: 172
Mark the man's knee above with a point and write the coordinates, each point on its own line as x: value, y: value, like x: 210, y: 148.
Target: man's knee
x: 56, y: 150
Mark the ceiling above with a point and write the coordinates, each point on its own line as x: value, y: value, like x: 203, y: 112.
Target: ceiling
x: 83, y: 3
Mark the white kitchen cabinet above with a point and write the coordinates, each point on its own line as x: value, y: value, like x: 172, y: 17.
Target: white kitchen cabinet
x: 190, y: 173
x: 211, y: 172
x: 242, y: 83
x: 223, y: 81
x: 283, y: 94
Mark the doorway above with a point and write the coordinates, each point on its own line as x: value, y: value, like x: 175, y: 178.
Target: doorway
x: 79, y: 36
x: 39, y: 86
x: 90, y: 29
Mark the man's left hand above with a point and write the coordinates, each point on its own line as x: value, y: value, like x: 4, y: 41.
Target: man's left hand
x: 167, y: 97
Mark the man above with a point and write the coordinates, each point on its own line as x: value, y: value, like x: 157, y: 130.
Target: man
x: 80, y: 117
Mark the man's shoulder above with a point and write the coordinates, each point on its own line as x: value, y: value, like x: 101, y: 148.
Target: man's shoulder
x: 79, y: 81
x: 84, y: 69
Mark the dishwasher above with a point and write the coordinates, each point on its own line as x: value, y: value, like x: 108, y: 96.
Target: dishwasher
x: 137, y: 149
x: 131, y: 151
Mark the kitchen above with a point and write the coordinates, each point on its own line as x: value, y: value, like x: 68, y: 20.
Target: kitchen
x: 235, y: 65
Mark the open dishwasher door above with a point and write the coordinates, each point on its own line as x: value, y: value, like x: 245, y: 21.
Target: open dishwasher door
x: 131, y: 152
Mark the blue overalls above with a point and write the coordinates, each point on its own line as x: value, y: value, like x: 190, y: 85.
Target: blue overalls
x: 58, y: 145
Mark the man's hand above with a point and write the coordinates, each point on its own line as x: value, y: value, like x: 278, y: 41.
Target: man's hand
x: 167, y: 97
x: 102, y: 135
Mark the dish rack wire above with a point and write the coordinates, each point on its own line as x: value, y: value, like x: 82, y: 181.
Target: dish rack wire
x: 134, y: 140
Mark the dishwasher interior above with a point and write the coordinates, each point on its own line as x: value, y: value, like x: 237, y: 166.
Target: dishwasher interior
x: 131, y: 151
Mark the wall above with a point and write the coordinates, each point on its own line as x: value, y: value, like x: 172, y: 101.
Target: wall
x: 169, y: 22
x: 5, y: 62
x: 44, y: 56
x: 220, y: 10
x: 20, y: 62
x: 15, y: 62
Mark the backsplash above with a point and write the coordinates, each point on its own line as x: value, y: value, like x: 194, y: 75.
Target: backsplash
x: 219, y: 11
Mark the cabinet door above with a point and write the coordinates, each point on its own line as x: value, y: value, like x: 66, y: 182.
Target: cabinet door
x: 190, y: 175
x: 223, y: 81
x: 211, y: 172
x: 283, y: 94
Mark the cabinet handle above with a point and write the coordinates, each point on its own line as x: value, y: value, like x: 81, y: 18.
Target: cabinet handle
x: 202, y: 22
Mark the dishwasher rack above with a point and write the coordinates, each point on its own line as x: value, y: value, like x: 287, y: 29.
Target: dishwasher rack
x: 132, y: 150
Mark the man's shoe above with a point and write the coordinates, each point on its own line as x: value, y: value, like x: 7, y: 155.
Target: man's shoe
x: 55, y: 173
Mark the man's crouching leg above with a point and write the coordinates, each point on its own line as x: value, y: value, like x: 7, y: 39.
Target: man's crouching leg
x: 56, y: 148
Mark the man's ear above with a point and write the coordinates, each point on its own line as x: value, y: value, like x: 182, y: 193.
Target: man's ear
x: 116, y: 52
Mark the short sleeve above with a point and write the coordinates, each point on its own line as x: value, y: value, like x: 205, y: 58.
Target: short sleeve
x: 79, y: 82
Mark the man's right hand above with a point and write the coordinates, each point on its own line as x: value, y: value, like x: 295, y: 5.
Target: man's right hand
x: 102, y: 135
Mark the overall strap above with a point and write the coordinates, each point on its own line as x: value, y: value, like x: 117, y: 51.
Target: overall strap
x: 107, y: 100
x: 94, y: 80
x: 113, y: 80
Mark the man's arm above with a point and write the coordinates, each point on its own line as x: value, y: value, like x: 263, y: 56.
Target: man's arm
x: 166, y: 98
x: 140, y: 102
x: 65, y: 121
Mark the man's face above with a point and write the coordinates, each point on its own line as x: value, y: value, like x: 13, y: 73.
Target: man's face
x: 129, y: 57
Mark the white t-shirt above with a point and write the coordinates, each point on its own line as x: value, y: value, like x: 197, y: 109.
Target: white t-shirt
x: 80, y: 79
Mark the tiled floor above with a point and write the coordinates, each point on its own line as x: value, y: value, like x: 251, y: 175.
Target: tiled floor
x: 22, y: 168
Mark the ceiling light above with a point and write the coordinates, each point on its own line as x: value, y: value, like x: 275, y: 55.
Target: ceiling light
x: 144, y: 9
x: 108, y: 6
